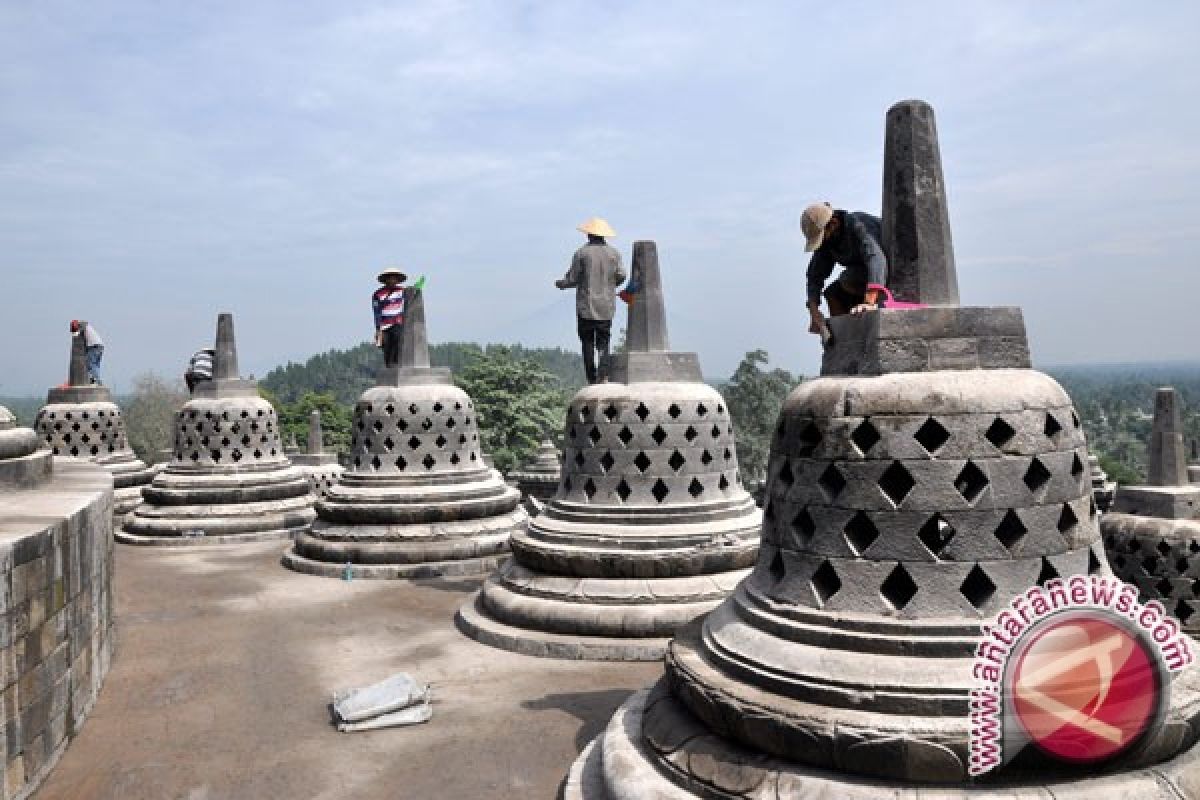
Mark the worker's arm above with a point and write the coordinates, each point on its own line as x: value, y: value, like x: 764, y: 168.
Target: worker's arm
x: 571, y: 279
x: 619, y: 272
x: 872, y: 255
x: 820, y: 267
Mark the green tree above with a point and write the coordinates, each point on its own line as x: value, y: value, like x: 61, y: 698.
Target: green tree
x: 754, y: 396
x: 518, y: 403
x: 150, y: 414
x: 1118, y: 472
x: 336, y: 419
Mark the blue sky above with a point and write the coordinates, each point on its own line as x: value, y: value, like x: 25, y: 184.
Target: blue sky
x: 162, y: 162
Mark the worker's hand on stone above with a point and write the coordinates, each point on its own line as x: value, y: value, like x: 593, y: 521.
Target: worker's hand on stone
x: 863, y: 307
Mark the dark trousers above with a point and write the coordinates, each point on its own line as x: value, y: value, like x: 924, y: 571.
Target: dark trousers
x: 391, y: 345
x: 595, y: 335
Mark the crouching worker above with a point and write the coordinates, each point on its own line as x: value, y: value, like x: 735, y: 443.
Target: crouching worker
x: 851, y: 239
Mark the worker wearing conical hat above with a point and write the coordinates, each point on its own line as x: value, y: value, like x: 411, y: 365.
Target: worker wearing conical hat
x: 594, y: 274
x: 387, y: 304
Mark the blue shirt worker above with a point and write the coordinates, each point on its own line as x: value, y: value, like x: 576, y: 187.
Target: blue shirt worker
x: 387, y: 302
x: 93, y: 345
x: 853, y: 240
x: 595, y: 274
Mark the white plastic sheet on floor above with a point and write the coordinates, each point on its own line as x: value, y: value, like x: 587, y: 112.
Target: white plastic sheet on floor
x: 398, y: 700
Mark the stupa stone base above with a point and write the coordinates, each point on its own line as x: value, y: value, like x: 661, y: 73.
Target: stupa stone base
x: 617, y: 619
x: 419, y: 550
x: 654, y: 747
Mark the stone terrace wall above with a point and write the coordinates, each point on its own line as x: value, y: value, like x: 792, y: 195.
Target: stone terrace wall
x: 56, y: 602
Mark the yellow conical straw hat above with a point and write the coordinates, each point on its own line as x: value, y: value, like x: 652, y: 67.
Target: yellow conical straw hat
x: 597, y: 226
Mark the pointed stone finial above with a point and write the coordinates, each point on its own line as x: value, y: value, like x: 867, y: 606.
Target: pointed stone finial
x: 1167, y: 462
x: 225, y: 365
x: 77, y: 372
x: 916, y: 223
x: 315, y: 445
x: 414, y: 347
x: 647, y: 328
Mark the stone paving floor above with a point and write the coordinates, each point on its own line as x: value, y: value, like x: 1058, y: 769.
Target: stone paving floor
x: 226, y: 661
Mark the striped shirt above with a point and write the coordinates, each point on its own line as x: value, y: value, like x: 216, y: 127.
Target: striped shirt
x: 388, y: 304
x: 201, y: 365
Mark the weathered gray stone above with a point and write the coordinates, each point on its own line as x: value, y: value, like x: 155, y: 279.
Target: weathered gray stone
x: 1166, y: 459
x: 647, y: 328
x: 916, y: 224
x: 650, y: 525
x: 925, y: 339
x: 56, y: 598
x: 1159, y: 556
x: 538, y: 478
x: 81, y: 420
x: 322, y: 469
x: 417, y: 499
x: 648, y: 357
x: 229, y: 479
x: 1167, y: 493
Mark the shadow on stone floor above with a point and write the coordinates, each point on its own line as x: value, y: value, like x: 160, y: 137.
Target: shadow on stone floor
x: 592, y: 709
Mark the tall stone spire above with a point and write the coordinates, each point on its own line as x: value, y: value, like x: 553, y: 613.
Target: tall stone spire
x: 315, y: 446
x: 225, y: 365
x: 414, y: 346
x: 77, y: 373
x: 916, y: 224
x: 648, y: 357
x: 647, y: 328
x: 1167, y: 453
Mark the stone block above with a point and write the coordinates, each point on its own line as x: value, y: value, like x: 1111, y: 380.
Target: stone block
x: 1164, y: 502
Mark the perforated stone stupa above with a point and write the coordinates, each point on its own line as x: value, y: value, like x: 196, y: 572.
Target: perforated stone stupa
x: 1153, y: 532
x: 904, y: 508
x: 417, y: 499
x: 537, y: 479
x: 81, y: 420
x: 650, y: 525
x: 228, y: 479
x: 322, y: 469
